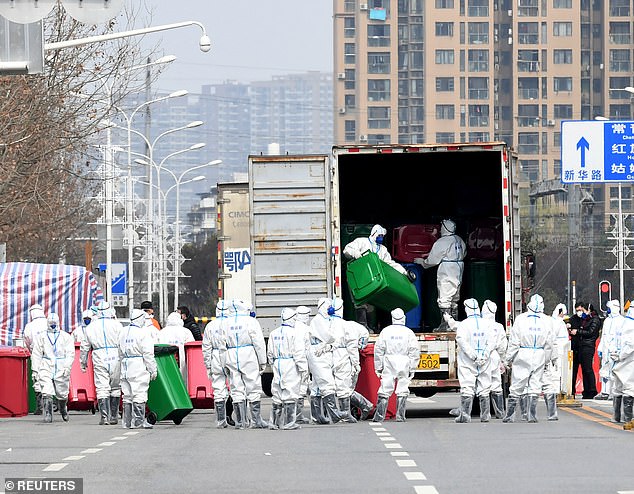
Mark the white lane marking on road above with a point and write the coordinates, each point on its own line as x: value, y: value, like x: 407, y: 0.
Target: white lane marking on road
x: 379, y: 429
x: 107, y: 443
x: 406, y: 463
x: 131, y: 433
x: 91, y: 451
x: 383, y: 434
x: 420, y: 400
x: 625, y: 492
x: 55, y: 467
x: 414, y: 476
x: 375, y: 424
x: 387, y: 438
x: 425, y: 489
x: 118, y: 438
x: 399, y: 453
x: 393, y: 446
x: 74, y: 458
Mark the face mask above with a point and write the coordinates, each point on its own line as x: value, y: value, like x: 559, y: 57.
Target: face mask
x: 579, y: 313
x: 379, y: 239
x: 252, y: 313
x: 609, y: 311
x: 53, y: 327
x: 584, y: 315
x: 87, y: 321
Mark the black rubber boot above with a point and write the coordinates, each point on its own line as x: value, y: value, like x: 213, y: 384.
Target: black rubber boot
x: 38, y: 404
x: 229, y: 406
x: 104, y: 411
x: 114, y: 410
x: 617, y: 403
x: 47, y: 408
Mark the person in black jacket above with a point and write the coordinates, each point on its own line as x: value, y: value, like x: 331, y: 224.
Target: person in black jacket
x: 584, y: 327
x: 190, y: 323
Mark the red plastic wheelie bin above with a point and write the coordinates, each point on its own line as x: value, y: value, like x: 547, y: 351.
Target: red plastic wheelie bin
x: 82, y: 394
x: 198, y: 384
x: 368, y: 382
x: 14, y: 382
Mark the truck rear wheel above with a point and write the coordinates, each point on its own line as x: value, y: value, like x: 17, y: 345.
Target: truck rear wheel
x: 424, y: 392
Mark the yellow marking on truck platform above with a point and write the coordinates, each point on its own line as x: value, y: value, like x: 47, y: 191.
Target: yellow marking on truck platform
x: 593, y: 418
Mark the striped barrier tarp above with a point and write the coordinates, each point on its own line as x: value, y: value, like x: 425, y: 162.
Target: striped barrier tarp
x: 65, y: 290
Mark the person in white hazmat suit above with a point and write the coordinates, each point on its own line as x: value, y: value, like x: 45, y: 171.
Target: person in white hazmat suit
x: 357, y: 400
x: 611, y: 325
x: 622, y: 354
x: 373, y: 243
x: 138, y: 368
x: 286, y: 354
x: 530, y: 347
x: 246, y: 360
x: 175, y: 333
x: 476, y: 339
x: 151, y: 328
x: 102, y: 337
x: 213, y: 340
x: 489, y: 309
x: 301, y: 329
x: 51, y: 360
x: 396, y: 355
x: 79, y: 335
x: 448, y: 253
x: 33, y: 329
x: 320, y: 363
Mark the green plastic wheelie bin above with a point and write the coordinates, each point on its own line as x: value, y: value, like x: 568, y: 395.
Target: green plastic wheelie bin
x: 375, y: 282
x: 350, y: 232
x: 168, y: 398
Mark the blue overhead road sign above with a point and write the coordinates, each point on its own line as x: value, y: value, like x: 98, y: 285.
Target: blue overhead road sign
x: 597, y: 151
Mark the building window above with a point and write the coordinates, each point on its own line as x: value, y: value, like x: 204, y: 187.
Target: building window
x: 562, y: 4
x: 445, y: 137
x: 445, y: 84
x: 563, y: 111
x: 562, y: 84
x: 527, y: 60
x: 528, y: 33
x: 479, y: 137
x: 445, y: 112
x: 562, y: 56
x: 378, y: 63
x: 620, y: 112
x: 478, y: 8
x: 528, y: 8
x: 478, y: 115
x: 478, y: 60
x: 478, y: 33
x: 350, y: 101
x: 562, y: 28
x: 350, y: 81
x: 350, y: 130
x: 444, y: 4
x: 620, y: 60
x: 616, y: 86
x: 620, y: 8
x: 530, y: 168
x: 528, y: 87
x: 348, y: 27
x: 557, y: 139
x: 557, y: 170
x: 478, y: 88
x: 378, y: 139
x: 378, y: 89
x: 528, y: 116
x: 378, y: 35
x: 379, y: 117
x: 620, y: 33
x: 528, y: 142
x: 444, y: 29
x: 349, y: 53
x: 349, y: 5
x: 444, y: 57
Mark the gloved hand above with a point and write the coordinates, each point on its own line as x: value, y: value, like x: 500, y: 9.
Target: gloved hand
x: 323, y: 349
x: 379, y: 373
x: 226, y: 371
x: 65, y: 373
x: 502, y: 367
x: 153, y: 376
x: 411, y: 276
x: 480, y: 362
x: 83, y: 369
x: 34, y: 376
x: 615, y: 356
x: 420, y: 260
x: 411, y: 374
x: 356, y: 368
x: 262, y: 367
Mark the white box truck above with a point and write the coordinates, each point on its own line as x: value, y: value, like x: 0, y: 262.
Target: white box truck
x: 298, y: 205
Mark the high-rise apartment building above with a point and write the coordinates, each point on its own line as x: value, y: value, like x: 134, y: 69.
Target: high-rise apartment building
x: 425, y: 71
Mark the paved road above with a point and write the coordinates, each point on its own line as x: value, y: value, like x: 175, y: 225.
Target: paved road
x: 581, y: 453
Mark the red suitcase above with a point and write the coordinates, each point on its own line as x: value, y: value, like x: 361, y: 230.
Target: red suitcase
x: 198, y: 383
x: 82, y: 394
x: 412, y: 241
x: 485, y: 240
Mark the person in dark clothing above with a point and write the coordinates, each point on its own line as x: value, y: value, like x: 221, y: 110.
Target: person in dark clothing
x: 584, y: 328
x: 190, y: 323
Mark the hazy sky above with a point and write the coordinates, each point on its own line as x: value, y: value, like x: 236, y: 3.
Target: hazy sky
x: 251, y: 39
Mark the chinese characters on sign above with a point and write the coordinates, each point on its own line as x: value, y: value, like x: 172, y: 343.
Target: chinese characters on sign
x: 237, y: 260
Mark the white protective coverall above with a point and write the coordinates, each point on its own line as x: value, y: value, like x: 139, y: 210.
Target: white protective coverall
x: 609, y: 344
x: 79, y: 335
x: 396, y: 355
x: 552, y: 383
x: 151, y: 328
x: 623, y: 370
x: 138, y: 368
x: 359, y: 246
x: 301, y: 329
x: 174, y: 333
x: 489, y: 308
x: 246, y: 360
x: 530, y: 347
x: 52, y: 358
x: 34, y: 328
x: 102, y: 336
x: 447, y: 253
x: 213, y: 339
